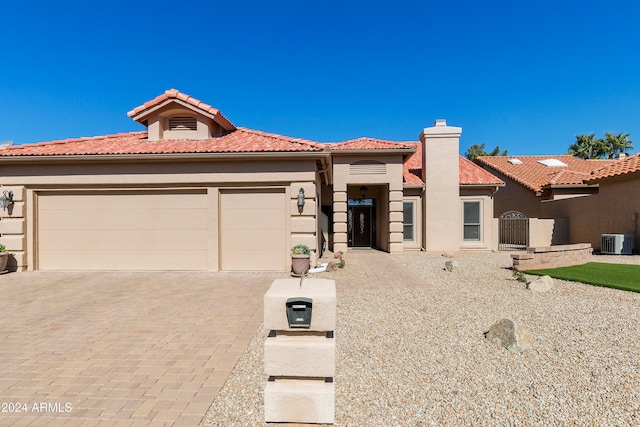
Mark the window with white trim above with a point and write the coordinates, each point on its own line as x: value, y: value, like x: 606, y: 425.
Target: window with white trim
x: 408, y: 221
x: 471, y: 212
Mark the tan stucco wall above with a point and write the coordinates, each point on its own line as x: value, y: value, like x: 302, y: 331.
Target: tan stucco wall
x: 13, y: 227
x: 582, y: 216
x: 27, y: 180
x: 612, y: 211
x: 514, y: 197
x: 442, y: 213
x: 619, y: 210
x: 548, y: 231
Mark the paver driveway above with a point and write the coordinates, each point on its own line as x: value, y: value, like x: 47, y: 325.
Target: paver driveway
x: 120, y: 348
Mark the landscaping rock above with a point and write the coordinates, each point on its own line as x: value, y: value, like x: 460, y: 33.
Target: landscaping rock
x: 331, y: 266
x: 450, y: 265
x: 542, y: 284
x: 448, y: 255
x: 510, y: 335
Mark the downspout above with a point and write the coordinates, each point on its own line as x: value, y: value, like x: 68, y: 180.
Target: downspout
x: 324, y: 171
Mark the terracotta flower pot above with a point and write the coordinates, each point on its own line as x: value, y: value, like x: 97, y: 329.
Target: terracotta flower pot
x: 300, y: 263
x: 4, y: 258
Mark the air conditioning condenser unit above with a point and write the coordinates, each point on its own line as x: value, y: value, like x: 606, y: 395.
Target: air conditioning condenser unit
x: 617, y: 244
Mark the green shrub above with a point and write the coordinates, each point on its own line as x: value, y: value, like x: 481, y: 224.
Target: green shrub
x: 301, y: 250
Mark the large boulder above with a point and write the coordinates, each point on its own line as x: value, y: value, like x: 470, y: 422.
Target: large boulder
x: 541, y: 284
x: 510, y: 335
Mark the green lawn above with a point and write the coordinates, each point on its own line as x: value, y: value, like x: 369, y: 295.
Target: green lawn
x: 617, y: 276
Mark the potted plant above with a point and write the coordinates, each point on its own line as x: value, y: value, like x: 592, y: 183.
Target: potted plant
x: 4, y: 258
x: 300, y: 259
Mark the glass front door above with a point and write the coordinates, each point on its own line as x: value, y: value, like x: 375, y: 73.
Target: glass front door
x: 360, y: 226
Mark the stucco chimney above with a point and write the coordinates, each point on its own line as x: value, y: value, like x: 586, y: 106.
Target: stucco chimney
x: 440, y: 172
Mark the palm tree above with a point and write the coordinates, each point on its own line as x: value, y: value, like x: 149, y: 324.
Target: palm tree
x: 587, y: 147
x: 617, y: 144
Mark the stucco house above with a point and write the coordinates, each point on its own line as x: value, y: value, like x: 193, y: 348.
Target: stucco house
x: 195, y: 192
x: 568, y: 199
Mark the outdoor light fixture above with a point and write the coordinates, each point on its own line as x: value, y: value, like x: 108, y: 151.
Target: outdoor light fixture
x: 300, y: 200
x: 6, y: 199
x: 363, y: 192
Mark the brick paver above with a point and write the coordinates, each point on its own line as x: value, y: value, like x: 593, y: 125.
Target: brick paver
x: 381, y: 272
x: 119, y: 348
x: 138, y: 348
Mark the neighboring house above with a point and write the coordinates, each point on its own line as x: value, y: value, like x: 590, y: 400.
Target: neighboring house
x: 195, y: 192
x: 567, y: 199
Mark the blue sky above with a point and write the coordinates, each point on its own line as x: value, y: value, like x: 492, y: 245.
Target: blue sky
x: 525, y: 75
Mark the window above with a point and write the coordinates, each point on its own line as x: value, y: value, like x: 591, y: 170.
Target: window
x: 471, y: 221
x: 408, y: 221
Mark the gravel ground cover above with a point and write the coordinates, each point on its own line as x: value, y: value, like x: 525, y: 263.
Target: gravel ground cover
x: 418, y: 356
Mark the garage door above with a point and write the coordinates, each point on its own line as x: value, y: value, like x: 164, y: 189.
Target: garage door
x: 145, y: 230
x: 252, y: 230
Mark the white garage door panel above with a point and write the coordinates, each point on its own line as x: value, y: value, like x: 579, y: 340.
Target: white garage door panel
x: 123, y: 231
x: 253, y: 230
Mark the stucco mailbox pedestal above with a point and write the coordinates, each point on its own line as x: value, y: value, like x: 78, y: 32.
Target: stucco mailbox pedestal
x: 300, y: 355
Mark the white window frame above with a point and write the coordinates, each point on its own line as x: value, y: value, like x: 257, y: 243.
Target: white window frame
x: 413, y: 224
x: 478, y: 224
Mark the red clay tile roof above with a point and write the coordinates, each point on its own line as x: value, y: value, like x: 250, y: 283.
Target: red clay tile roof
x: 534, y: 175
x: 470, y: 173
x: 618, y: 168
x: 239, y: 141
x: 176, y: 94
x: 412, y: 167
x: 369, y: 144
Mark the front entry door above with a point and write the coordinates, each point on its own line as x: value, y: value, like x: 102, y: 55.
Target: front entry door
x: 361, y: 226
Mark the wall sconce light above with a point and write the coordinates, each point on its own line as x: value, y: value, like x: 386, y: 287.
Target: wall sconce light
x: 300, y: 200
x: 6, y: 199
x: 363, y: 192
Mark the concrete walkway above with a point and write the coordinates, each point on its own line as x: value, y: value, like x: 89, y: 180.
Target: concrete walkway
x: 125, y: 349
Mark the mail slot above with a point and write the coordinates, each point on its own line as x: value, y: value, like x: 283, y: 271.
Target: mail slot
x: 299, y: 312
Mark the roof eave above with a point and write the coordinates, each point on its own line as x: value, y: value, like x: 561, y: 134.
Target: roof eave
x: 162, y: 156
x: 484, y: 185
x: 553, y: 186
x: 616, y: 177
x: 405, y: 151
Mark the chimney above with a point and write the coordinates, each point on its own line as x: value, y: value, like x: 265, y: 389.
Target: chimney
x: 441, y: 174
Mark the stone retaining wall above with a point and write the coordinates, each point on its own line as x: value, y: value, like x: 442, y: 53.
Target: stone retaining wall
x: 537, y: 258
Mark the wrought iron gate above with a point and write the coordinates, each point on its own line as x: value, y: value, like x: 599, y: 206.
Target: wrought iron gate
x: 513, y: 232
